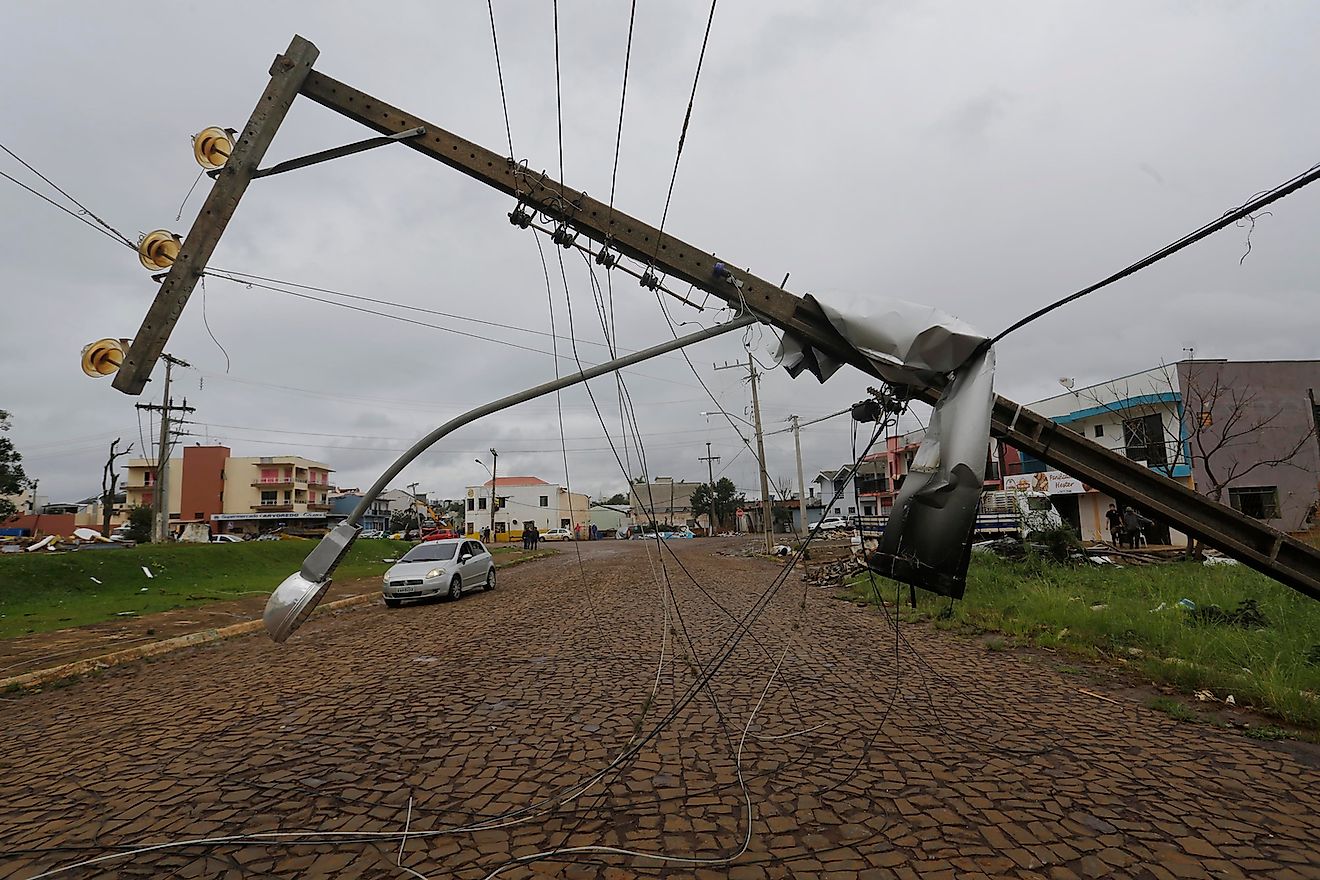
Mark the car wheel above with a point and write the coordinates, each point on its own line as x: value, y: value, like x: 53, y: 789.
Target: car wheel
x: 455, y: 588
x: 490, y: 580
x: 393, y: 603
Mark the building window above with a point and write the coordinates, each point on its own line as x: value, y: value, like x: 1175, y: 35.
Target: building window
x: 545, y: 500
x: 481, y: 503
x: 852, y: 510
x: 1261, y: 502
x: 470, y: 529
x: 472, y: 504
x: 1143, y: 439
x: 1099, y: 430
x: 269, y: 497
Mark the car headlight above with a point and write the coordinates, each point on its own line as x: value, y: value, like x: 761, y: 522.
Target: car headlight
x: 435, y: 572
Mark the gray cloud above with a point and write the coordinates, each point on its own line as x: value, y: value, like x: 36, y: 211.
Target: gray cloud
x: 985, y: 159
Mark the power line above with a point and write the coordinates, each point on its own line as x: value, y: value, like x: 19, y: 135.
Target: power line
x: 396, y: 305
x: 117, y: 234
x: 74, y: 214
x: 499, y: 70
x: 1244, y: 211
x: 275, y: 289
x: 687, y: 119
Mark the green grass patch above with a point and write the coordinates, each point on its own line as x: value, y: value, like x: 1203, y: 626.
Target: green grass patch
x: 1108, y: 612
x: 44, y: 591
x: 1175, y: 709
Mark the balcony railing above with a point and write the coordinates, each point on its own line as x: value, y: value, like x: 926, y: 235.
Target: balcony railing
x: 275, y: 506
x: 274, y: 483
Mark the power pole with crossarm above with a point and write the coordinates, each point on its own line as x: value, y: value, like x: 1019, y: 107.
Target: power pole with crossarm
x: 617, y: 235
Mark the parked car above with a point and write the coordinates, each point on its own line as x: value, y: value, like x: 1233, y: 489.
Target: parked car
x: 832, y: 522
x: 226, y: 539
x: 560, y: 534
x: 372, y: 533
x: 440, y: 535
x: 446, y: 567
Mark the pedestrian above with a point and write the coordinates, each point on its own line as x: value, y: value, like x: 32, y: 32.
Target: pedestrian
x: 535, y: 538
x: 577, y: 532
x: 527, y: 536
x: 1133, y: 523
x: 1115, y: 524
x: 485, y: 534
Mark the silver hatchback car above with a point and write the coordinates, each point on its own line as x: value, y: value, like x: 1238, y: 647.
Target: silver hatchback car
x: 446, y: 567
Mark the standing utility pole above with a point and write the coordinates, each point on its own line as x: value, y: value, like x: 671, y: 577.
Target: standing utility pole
x: 802, y: 488
x: 494, y: 469
x: 767, y: 517
x: 710, y: 473
x: 766, y: 512
x: 160, y: 502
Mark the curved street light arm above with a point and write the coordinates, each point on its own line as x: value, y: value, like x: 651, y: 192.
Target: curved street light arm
x: 300, y: 592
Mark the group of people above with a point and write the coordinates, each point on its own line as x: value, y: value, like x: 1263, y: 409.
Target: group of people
x: 531, y: 536
x: 1126, y: 528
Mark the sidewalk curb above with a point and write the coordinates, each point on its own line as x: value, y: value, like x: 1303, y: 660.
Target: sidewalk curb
x: 39, y: 677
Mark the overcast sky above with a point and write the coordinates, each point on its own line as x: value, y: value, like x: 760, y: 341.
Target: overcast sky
x: 984, y: 158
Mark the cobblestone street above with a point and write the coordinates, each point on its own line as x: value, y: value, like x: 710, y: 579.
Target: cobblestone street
x: 472, y: 724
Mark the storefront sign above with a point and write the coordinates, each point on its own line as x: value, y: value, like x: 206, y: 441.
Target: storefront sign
x: 1049, y: 482
x: 232, y: 517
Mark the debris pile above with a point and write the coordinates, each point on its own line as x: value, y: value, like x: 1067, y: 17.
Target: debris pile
x: 1246, y: 615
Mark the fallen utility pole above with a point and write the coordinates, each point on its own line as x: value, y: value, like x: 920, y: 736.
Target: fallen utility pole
x: 617, y: 234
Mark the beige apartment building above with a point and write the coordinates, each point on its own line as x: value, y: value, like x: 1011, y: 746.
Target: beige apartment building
x: 236, y: 495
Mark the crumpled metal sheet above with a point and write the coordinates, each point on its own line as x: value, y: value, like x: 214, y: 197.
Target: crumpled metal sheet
x: 927, y: 540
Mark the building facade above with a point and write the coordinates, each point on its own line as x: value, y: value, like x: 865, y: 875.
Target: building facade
x: 665, y: 502
x: 235, y: 495
x: 524, y: 501
x: 1244, y: 432
x: 858, y: 491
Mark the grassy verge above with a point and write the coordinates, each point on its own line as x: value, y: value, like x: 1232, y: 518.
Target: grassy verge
x: 1108, y: 612
x: 46, y: 591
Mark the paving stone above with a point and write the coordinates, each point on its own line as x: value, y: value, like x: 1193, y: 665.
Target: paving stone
x: 529, y: 690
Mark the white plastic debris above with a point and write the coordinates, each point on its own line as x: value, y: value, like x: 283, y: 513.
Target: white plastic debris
x: 42, y: 543
x: 86, y: 534
x: 1230, y: 701
x: 93, y: 580
x: 1204, y: 696
x: 143, y: 590
x: 1220, y: 560
x: 1160, y: 607
x: 147, y: 572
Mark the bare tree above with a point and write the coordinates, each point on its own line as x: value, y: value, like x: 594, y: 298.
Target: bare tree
x: 1223, y: 421
x: 109, y: 480
x: 1221, y: 430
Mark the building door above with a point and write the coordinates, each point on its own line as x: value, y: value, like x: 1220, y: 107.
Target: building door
x: 1070, y: 510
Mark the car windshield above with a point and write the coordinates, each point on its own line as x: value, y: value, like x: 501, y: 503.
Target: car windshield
x: 430, y: 553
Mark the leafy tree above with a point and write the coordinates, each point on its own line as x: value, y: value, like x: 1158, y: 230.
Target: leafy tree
x: 12, y: 479
x: 727, y: 501
x: 139, y: 524
x: 402, y: 520
x: 617, y: 498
